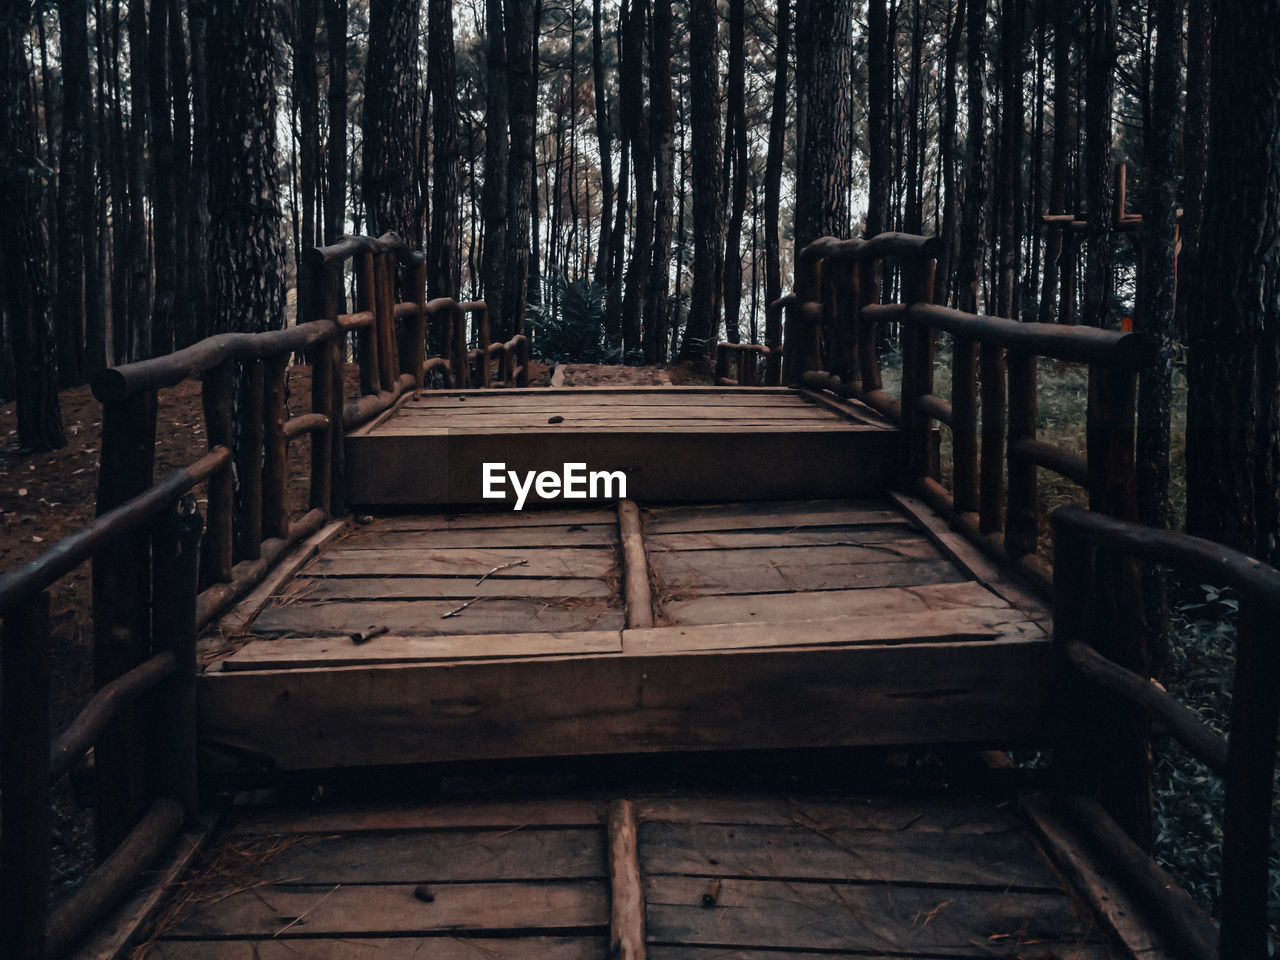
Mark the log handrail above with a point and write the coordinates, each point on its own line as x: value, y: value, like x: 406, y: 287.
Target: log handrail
x: 155, y: 588
x: 1087, y: 544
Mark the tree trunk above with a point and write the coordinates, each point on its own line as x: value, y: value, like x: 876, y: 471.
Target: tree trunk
x: 879, y: 137
x: 700, y: 330
x: 773, y: 162
x: 445, y: 276
x: 1099, y: 82
x: 197, y: 223
x: 184, y: 328
x: 164, y: 202
x: 822, y: 194
x: 973, y: 229
x: 138, y: 259
x: 335, y: 212
x: 631, y: 107
x: 496, y: 147
x: 1195, y: 146
x: 946, y: 137
x: 662, y: 121
x: 1233, y: 369
x: 1063, y: 137
x: 307, y: 96
x: 1010, y: 176
x: 76, y: 229
x: 521, y: 29
x: 605, y: 147
x: 390, y: 122
x: 735, y: 160
x: 24, y: 286
x: 245, y: 247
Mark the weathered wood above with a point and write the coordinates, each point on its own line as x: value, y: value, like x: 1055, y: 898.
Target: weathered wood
x: 115, y: 878
x: 1021, y: 514
x: 686, y: 464
x: 323, y: 589
x: 626, y: 887
x: 388, y: 948
x: 984, y: 624
x: 781, y: 539
x: 991, y: 469
x: 216, y: 392
x: 788, y: 607
x: 334, y: 651
x: 26, y: 819
x: 388, y: 533
x: 635, y: 566
x: 559, y: 562
x: 784, y: 515
x: 1062, y: 462
x: 275, y: 449
x: 442, y: 815
x: 994, y: 860
x: 860, y: 918
x: 496, y: 614
x: 964, y: 424
x: 502, y: 519
x: 248, y: 436
x: 374, y: 909
x: 991, y: 691
x: 368, y: 339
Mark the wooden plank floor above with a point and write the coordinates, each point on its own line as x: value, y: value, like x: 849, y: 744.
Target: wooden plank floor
x: 753, y: 877
x: 673, y: 443
x: 775, y: 625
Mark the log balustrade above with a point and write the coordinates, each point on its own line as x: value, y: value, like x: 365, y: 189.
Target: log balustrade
x: 162, y: 572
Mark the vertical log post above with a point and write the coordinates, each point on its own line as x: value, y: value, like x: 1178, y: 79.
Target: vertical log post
x: 25, y: 830
x: 122, y: 613
x: 176, y: 546
x: 773, y: 340
x: 1070, y: 260
x: 461, y: 365
x: 801, y: 334
x: 1249, y: 782
x: 216, y: 391
x: 247, y: 526
x: 991, y: 482
x: 275, y: 449
x: 367, y: 339
x: 522, y: 357
x: 1021, y: 518
x: 964, y: 427
x: 868, y: 330
x: 384, y: 312
x: 1076, y: 730
x: 848, y: 308
x: 324, y: 301
x: 917, y: 375
x: 722, y: 364
x: 486, y: 376
x: 416, y: 281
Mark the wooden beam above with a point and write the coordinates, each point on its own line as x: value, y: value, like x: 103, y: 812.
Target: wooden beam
x: 635, y: 566
x: 626, y: 889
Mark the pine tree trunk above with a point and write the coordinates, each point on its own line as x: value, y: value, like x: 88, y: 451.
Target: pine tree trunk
x: 75, y: 192
x: 950, y: 183
x: 879, y: 138
x: 1009, y: 177
x: 496, y: 146
x: 306, y: 95
x: 164, y: 203
x: 1195, y: 147
x: 335, y: 205
x: 604, y: 247
x: 1099, y: 83
x: 184, y: 328
x: 1064, y: 136
x: 390, y: 122
x: 24, y: 285
x: 700, y: 330
x: 137, y: 255
x: 245, y: 247
x: 444, y: 278
x: 773, y: 162
x: 197, y: 223
x: 973, y: 230
x: 736, y: 151
x: 631, y: 106
x: 521, y: 28
x: 662, y: 138
x: 1233, y: 369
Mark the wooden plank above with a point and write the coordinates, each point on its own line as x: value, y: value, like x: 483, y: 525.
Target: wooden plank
x: 561, y: 562
x: 819, y: 604
x: 412, y: 856
x: 937, y: 814
x: 383, y: 948
x: 1076, y: 951
x: 571, y: 412
x: 493, y: 538
x: 784, y: 515
x: 501, y: 518
x: 993, y: 691
x: 736, y: 573
x: 425, y: 618
x: 693, y: 464
x: 373, y: 909
x: 781, y: 537
x: 639, y: 598
x: 440, y: 588
x: 993, y: 860
x: 236, y: 620
x: 929, y: 626
x: 648, y: 431
x: 626, y: 888
x: 895, y: 919
x: 435, y: 816
x: 294, y: 652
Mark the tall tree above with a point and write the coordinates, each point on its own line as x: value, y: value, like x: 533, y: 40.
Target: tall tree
x: 879, y: 95
x: 245, y: 245
x: 662, y: 120
x: 496, y: 147
x: 704, y: 89
x: 1233, y: 358
x: 137, y: 253
x: 1099, y: 84
x: 631, y: 111
x: 390, y: 121
x: 24, y: 283
x: 335, y: 208
x: 822, y: 194
x: 163, y: 182
x: 445, y: 275
x: 521, y: 29
x: 773, y: 162
x: 947, y: 148
x: 1064, y: 136
x: 306, y: 93
x: 973, y: 230
x: 1009, y: 179
x: 76, y: 220
x: 1195, y: 145
x: 735, y: 154
x: 604, y: 148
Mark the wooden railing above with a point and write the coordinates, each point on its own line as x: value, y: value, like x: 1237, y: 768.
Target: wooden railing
x: 1105, y: 742
x: 157, y: 581
x: 832, y: 329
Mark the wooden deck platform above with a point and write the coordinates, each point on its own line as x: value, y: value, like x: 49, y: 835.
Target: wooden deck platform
x: 750, y: 877
x: 502, y: 634
x: 674, y: 443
